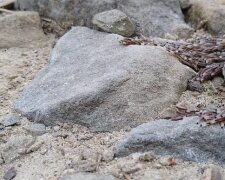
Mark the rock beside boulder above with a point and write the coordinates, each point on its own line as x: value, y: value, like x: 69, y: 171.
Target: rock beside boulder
x: 20, y: 29
x: 209, y: 15
x: 95, y: 81
x: 184, y: 139
x: 11, y: 120
x: 114, y: 21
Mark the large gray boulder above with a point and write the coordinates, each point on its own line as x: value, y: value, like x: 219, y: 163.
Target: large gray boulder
x: 95, y: 81
x: 184, y: 139
x: 152, y: 17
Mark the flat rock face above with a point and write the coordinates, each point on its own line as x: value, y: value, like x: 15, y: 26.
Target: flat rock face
x: 20, y: 28
x: 114, y: 21
x: 152, y: 17
x: 95, y: 81
x: 211, y: 12
x: 184, y: 139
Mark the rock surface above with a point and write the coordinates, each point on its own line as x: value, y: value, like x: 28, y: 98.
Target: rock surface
x: 11, y: 120
x: 184, y: 139
x: 209, y: 15
x: 20, y: 28
x: 15, y: 147
x: 152, y: 17
x: 86, y: 176
x: 114, y: 21
x: 104, y: 91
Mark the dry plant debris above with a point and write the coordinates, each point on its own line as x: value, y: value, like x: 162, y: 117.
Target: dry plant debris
x: 206, y: 55
x: 206, y: 115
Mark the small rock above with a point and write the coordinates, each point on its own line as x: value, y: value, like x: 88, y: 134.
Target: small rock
x: 11, y: 120
x: 108, y: 155
x: 147, y: 157
x: 15, y: 147
x: 86, y: 176
x: 36, y: 129
x: 10, y: 174
x: 114, y: 21
x: 89, y: 154
x: 195, y: 86
x: 183, y: 31
x: 168, y: 113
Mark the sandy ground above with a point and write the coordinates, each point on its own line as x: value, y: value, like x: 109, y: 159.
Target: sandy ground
x: 67, y: 148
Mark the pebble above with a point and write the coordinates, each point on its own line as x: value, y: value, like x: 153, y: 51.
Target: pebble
x: 195, y: 86
x: 36, y: 129
x: 10, y: 174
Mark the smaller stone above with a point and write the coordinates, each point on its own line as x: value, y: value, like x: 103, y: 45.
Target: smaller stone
x: 108, y: 155
x: 114, y: 21
x: 36, y: 129
x: 147, y: 157
x: 195, y: 86
x: 56, y: 128
x: 183, y: 31
x: 15, y: 147
x: 10, y: 174
x: 11, y: 120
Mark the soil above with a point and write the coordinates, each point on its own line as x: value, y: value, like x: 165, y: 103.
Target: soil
x: 68, y: 148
